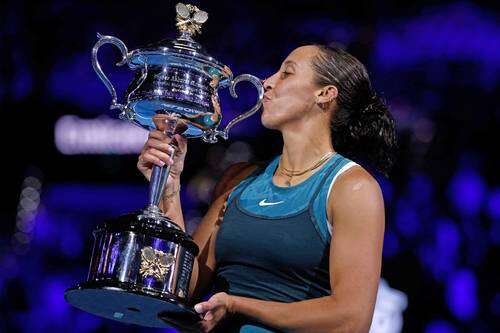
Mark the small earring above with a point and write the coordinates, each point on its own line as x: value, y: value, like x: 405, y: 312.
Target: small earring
x: 320, y: 105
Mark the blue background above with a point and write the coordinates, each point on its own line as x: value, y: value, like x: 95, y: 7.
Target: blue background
x: 437, y: 63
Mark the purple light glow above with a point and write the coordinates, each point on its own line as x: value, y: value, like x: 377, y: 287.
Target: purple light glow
x: 327, y: 29
x: 446, y: 248
x: 387, y: 189
x: 467, y: 191
x: 45, y: 228
x: 85, y: 322
x: 71, y: 243
x: 493, y: 204
x: 115, y: 199
x: 75, y: 80
x: 391, y: 244
x: 495, y: 232
x: 476, y: 240
x: 420, y: 188
x: 461, y: 294
x: 49, y: 307
x: 406, y: 218
x: 101, y: 135
x: 53, y: 297
x: 460, y: 32
x: 440, y: 326
x: 23, y: 83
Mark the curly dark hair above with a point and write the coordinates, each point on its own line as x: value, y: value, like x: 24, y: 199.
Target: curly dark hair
x: 363, y: 129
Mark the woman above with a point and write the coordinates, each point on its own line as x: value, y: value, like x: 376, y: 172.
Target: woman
x: 295, y: 245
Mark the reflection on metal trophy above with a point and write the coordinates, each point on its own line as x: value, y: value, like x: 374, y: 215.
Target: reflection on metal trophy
x: 142, y: 262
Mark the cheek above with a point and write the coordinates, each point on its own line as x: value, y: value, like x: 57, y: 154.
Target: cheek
x: 292, y: 104
x: 296, y: 96
x: 291, y: 101
x: 282, y: 110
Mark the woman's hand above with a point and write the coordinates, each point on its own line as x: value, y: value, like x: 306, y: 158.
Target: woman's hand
x: 214, y: 310
x: 158, y: 149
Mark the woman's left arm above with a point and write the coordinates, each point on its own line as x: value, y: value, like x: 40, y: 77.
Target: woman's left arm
x: 356, y: 205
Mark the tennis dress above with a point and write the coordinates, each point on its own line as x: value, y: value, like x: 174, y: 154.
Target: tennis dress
x: 274, y: 242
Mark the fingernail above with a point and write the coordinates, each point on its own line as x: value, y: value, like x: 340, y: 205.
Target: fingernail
x: 197, y: 308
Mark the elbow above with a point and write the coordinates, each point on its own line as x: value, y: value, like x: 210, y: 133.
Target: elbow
x: 355, y: 326
x: 354, y: 321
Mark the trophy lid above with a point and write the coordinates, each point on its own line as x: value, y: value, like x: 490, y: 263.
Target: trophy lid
x: 183, y: 51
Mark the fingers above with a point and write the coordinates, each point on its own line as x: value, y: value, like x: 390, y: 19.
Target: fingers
x: 156, y: 157
x: 159, y: 135
x: 208, y: 316
x: 227, y: 71
x: 215, y: 103
x: 160, y: 146
x: 161, y: 141
x: 160, y: 121
x: 208, y: 319
x: 156, y: 150
x: 210, y: 313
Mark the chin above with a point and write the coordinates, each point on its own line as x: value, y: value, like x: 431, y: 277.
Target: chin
x: 267, y: 120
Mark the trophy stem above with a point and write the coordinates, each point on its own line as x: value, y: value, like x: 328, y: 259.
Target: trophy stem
x: 159, y: 175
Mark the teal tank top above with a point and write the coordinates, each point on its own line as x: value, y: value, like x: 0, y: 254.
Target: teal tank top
x: 273, y: 243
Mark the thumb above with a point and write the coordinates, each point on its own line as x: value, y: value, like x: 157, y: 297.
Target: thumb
x: 203, y: 307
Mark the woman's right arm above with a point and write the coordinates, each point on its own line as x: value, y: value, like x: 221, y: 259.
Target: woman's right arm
x: 156, y: 151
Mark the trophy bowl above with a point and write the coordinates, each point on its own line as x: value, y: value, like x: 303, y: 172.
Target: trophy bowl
x: 176, y: 77
x: 142, y: 262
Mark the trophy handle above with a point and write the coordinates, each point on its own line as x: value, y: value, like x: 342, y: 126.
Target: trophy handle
x: 97, y: 67
x: 211, y: 136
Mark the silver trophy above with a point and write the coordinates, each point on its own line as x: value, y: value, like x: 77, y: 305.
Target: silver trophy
x: 142, y: 262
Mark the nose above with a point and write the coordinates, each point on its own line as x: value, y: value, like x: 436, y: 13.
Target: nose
x: 266, y: 83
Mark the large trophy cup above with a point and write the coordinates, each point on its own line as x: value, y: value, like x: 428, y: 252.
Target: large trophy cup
x: 142, y: 262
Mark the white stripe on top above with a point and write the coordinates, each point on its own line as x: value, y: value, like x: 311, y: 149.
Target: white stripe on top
x: 342, y: 170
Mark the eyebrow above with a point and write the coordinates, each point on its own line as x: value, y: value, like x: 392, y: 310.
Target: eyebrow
x: 290, y: 62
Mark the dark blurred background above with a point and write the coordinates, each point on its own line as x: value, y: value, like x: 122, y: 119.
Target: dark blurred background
x: 68, y: 163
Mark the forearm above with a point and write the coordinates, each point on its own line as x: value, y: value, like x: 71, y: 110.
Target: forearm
x: 324, y: 314
x: 172, y: 208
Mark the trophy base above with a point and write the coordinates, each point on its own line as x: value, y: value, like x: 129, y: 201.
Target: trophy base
x: 140, y: 307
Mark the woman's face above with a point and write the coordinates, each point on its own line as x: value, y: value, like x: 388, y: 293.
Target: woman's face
x: 290, y: 92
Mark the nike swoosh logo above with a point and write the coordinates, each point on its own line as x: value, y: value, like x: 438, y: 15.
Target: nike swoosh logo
x: 263, y: 203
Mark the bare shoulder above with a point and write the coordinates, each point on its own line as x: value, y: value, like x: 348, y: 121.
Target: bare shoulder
x: 232, y: 176
x: 356, y: 178
x: 355, y: 190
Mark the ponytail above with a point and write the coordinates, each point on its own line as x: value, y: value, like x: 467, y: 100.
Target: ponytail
x: 363, y: 129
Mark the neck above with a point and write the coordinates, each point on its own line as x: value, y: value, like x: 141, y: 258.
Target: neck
x: 304, y: 144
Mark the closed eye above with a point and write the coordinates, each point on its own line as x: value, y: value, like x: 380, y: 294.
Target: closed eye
x: 285, y: 74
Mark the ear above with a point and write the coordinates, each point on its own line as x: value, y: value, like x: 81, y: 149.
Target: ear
x: 326, y: 94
